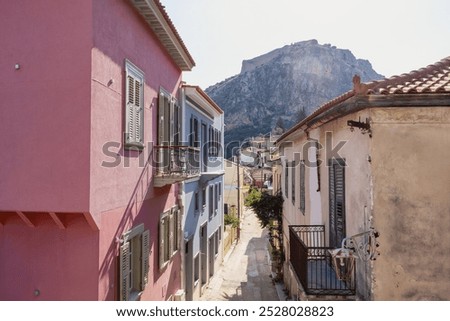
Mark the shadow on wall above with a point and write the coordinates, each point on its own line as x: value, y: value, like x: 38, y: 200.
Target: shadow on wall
x: 134, y: 214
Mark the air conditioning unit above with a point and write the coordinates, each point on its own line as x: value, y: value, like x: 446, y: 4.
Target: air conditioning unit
x: 180, y: 295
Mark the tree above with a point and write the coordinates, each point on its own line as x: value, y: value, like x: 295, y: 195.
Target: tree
x: 266, y: 207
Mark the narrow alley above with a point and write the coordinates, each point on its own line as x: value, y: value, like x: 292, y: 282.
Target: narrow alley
x: 245, y: 273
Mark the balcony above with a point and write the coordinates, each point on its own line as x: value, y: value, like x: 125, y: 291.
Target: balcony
x: 312, y: 262
x: 175, y: 164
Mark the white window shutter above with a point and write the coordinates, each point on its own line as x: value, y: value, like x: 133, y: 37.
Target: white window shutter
x: 138, y: 112
x: 129, y: 128
x: 134, y: 108
x: 124, y: 258
x: 145, y: 259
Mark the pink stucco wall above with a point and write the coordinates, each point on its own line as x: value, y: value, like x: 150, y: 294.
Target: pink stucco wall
x: 44, y: 118
x: 161, y: 284
x: 126, y: 36
x: 64, y: 103
x: 123, y: 196
x: 59, y: 263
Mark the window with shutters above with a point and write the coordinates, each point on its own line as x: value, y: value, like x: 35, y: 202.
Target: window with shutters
x: 203, y: 198
x: 196, y: 202
x: 169, y: 120
x: 214, y: 139
x: 134, y: 107
x: 216, y: 199
x: 293, y: 182
x: 337, y: 201
x: 302, y: 187
x: 169, y: 235
x: 194, y: 138
x: 170, y: 158
x: 196, y: 269
x: 286, y: 180
x: 134, y: 263
x: 211, y: 201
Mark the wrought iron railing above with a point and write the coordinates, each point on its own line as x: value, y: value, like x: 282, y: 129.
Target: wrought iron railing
x: 177, y: 161
x: 312, y: 262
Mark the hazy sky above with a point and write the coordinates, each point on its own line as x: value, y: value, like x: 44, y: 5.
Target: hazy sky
x: 396, y: 36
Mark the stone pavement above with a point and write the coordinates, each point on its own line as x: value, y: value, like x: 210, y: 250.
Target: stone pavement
x: 245, y: 274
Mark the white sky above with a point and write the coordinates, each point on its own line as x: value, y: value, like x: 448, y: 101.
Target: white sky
x: 396, y: 36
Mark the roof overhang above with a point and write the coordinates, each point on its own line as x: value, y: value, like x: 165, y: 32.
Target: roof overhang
x: 202, y: 100
x: 157, y: 18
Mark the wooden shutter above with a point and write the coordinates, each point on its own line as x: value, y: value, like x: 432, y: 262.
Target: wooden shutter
x: 129, y: 127
x: 145, y: 253
x: 163, y: 131
x: 172, y: 114
x: 134, y: 109
x: 337, y: 201
x: 180, y: 123
x: 138, y: 112
x: 302, y: 187
x: 293, y: 182
x: 177, y: 228
x: 161, y: 119
x: 211, y: 200
x: 191, y: 132
x: 286, y: 179
x: 161, y: 243
x: 124, y: 280
x: 171, y: 232
x: 210, y: 141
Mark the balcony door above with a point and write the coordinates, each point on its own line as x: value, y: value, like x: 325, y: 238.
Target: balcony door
x: 337, y: 201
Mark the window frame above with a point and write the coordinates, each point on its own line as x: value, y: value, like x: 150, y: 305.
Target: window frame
x: 169, y: 235
x: 134, y: 114
x: 134, y: 265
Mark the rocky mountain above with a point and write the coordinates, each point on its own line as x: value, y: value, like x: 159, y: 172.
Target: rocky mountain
x: 285, y: 85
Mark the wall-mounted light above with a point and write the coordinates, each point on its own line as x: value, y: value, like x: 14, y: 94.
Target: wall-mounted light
x: 17, y: 66
x: 363, y: 246
x: 364, y: 126
x: 37, y: 292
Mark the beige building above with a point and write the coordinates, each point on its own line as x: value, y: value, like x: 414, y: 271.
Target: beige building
x: 373, y: 161
x: 231, y: 199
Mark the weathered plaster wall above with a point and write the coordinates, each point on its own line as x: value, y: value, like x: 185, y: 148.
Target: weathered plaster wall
x: 411, y: 152
x: 355, y: 150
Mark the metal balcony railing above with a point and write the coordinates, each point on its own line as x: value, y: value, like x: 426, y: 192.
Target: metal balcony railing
x: 312, y: 262
x: 176, y: 163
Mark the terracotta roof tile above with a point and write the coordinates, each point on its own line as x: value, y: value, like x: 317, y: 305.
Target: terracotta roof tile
x: 434, y: 78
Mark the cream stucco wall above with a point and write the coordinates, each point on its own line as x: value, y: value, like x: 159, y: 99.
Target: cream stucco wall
x: 411, y: 169
x: 356, y: 152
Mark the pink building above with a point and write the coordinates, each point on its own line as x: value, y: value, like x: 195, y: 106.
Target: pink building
x: 81, y: 84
